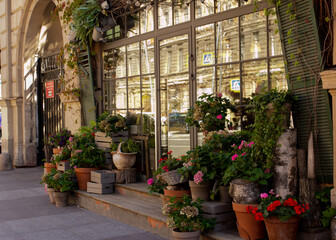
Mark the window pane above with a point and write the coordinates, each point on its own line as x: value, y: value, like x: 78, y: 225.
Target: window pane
x: 134, y: 96
x: 228, y: 41
x: 274, y: 38
x: 181, y: 13
x: 109, y: 67
x: 148, y: 105
x: 205, y: 45
x: 147, y: 56
x: 133, y: 25
x: 204, y: 9
x: 206, y: 81
x: 223, y: 5
x: 147, y: 19
x: 120, y: 61
x: 246, y: 2
x: 109, y: 91
x: 165, y: 14
x: 278, y: 74
x: 228, y: 77
x: 254, y: 77
x: 253, y: 36
x: 120, y: 93
x: 133, y: 59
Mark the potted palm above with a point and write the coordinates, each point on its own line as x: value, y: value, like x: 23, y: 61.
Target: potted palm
x: 86, y: 157
x: 186, y: 219
x: 281, y: 216
x: 62, y: 183
x: 125, y: 155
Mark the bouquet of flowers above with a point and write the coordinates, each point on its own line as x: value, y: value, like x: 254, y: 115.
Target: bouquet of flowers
x: 109, y: 123
x: 273, y: 205
x: 59, y: 139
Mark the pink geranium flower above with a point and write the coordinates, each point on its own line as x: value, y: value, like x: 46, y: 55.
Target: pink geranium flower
x: 219, y: 95
x: 264, y: 195
x: 150, y: 181
x: 219, y: 116
x: 234, y: 157
x: 198, y: 177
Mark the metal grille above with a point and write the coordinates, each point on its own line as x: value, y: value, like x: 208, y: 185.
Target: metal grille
x: 51, y: 70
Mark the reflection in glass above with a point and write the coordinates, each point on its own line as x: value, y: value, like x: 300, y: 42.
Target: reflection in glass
x: 181, y: 12
x: 274, y: 38
x: 109, y: 92
x: 133, y: 25
x: 147, y: 19
x: 174, y: 98
x: 254, y: 77
x: 148, y: 94
x: 204, y: 9
x: 134, y: 95
x: 133, y: 59
x: 120, y: 93
x: 120, y: 61
x: 205, y: 45
x: 223, y: 5
x: 245, y: 2
x: 228, y: 77
x: 147, y: 56
x: 165, y: 14
x: 206, y: 81
x: 227, y: 40
x: 278, y: 74
x: 253, y: 36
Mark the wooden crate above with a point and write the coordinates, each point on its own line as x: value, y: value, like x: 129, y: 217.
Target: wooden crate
x: 100, y: 188
x: 102, y: 176
x: 63, y: 166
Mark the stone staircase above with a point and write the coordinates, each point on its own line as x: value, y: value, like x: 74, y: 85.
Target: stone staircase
x: 131, y: 204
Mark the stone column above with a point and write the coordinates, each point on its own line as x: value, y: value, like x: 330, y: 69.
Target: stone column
x: 329, y: 82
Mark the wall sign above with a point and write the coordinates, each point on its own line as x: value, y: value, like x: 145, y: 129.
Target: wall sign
x: 207, y: 58
x: 50, y: 89
x: 235, y: 85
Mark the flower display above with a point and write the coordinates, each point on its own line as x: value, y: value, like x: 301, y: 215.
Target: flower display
x: 59, y: 139
x: 273, y: 205
x: 186, y: 215
x: 168, y: 163
x: 109, y: 123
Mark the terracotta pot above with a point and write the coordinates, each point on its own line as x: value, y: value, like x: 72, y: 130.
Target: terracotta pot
x: 224, y: 194
x: 123, y: 160
x: 50, y: 192
x: 201, y: 190
x: 186, y: 235
x: 178, y: 194
x: 48, y: 167
x: 57, y: 150
x: 285, y: 114
x: 276, y: 229
x: 61, y: 199
x: 248, y: 227
x: 83, y: 176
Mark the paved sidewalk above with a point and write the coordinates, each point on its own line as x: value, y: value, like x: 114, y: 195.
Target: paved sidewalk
x: 27, y: 214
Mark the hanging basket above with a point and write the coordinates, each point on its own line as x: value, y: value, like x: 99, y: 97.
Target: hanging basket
x: 172, y: 177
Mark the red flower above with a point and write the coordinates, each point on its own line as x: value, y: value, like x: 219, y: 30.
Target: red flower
x: 249, y: 209
x: 254, y: 210
x: 259, y: 217
x: 290, y: 202
x: 298, y: 210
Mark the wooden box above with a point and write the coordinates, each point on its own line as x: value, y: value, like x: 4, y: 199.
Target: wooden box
x: 103, y: 176
x: 63, y: 166
x: 99, y: 188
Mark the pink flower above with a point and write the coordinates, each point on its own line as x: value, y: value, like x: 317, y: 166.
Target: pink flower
x: 150, y: 181
x: 250, y: 144
x: 75, y: 166
x: 234, y: 157
x: 70, y: 139
x: 240, y: 147
x: 271, y: 192
x: 198, y: 177
x: 165, y: 168
x: 243, y: 153
x: 78, y: 151
x: 190, y: 163
x: 233, y: 145
x: 264, y: 195
x: 277, y: 195
x: 267, y: 170
x: 219, y: 116
x: 219, y: 95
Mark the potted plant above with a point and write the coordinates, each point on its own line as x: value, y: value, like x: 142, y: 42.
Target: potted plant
x: 47, y: 180
x: 281, y: 216
x: 62, y: 183
x: 198, y: 168
x: 111, y: 124
x: 157, y: 186
x: 209, y: 112
x: 86, y: 157
x: 125, y: 156
x: 186, y: 219
x: 59, y: 139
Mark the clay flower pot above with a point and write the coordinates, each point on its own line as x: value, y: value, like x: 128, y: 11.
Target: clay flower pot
x: 48, y: 167
x: 61, y: 199
x: 201, y: 190
x: 248, y: 227
x: 57, y: 150
x: 186, y: 235
x: 178, y: 194
x: 83, y: 176
x: 276, y: 229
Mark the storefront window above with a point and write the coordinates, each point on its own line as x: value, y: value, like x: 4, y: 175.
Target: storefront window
x: 227, y: 40
x: 223, y: 5
x: 204, y: 8
x: 147, y: 20
x: 205, y: 45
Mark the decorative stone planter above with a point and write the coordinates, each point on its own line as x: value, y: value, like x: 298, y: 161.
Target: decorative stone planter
x: 61, y: 199
x: 123, y: 160
x: 186, y: 235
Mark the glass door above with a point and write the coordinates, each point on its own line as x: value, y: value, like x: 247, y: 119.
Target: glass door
x: 174, y: 93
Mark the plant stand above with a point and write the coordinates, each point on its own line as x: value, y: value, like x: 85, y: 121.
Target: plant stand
x: 125, y: 175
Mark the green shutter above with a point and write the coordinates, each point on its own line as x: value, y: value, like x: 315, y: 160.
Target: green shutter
x: 305, y: 83
x: 87, y: 92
